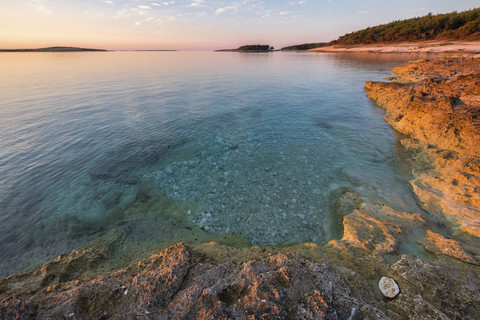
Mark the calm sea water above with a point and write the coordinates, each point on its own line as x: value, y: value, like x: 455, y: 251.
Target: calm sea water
x: 171, y: 146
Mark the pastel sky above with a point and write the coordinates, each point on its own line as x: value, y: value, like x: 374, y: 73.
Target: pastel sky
x: 198, y: 24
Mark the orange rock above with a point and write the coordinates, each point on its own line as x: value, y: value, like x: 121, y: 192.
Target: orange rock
x: 438, y: 244
x: 437, y: 103
x: 374, y: 227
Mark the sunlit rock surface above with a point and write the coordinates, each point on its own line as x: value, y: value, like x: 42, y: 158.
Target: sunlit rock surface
x: 375, y: 228
x: 437, y: 104
x: 438, y: 244
x: 183, y: 283
x: 212, y: 281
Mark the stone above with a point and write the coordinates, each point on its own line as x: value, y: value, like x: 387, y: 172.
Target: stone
x: 374, y: 228
x: 433, y: 290
x: 436, y: 102
x: 438, y: 244
x: 388, y: 287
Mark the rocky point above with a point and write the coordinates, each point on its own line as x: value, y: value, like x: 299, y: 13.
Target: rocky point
x: 436, y: 103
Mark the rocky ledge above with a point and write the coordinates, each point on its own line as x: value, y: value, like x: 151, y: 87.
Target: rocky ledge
x: 436, y: 103
x: 212, y: 281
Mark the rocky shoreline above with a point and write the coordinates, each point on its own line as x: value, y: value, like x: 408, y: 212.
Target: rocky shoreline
x: 436, y: 104
x: 212, y: 281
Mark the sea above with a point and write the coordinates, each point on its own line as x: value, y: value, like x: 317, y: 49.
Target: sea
x: 140, y: 150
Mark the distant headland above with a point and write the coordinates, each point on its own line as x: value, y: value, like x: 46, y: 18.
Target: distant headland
x: 433, y: 33
x: 442, y: 29
x: 52, y: 49
x: 250, y: 48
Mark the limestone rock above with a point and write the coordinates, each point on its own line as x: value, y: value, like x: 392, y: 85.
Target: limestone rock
x: 433, y: 291
x: 438, y: 244
x: 66, y: 267
x: 375, y: 228
x: 437, y: 103
x: 182, y: 283
x: 388, y: 287
x: 211, y: 281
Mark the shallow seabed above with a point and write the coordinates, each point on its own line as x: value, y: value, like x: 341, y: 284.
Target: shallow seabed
x: 187, y: 146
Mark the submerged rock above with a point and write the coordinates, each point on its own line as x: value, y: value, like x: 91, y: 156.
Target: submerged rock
x: 375, y: 228
x: 388, y: 287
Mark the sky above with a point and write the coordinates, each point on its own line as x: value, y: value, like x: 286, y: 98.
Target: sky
x: 198, y: 24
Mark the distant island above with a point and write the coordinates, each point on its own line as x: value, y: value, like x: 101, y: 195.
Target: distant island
x: 52, y: 49
x: 440, y: 27
x: 250, y: 48
x: 305, y: 46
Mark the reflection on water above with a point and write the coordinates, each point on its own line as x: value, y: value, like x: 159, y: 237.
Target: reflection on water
x: 172, y: 146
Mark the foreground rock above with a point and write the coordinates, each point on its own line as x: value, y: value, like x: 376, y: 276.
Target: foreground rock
x: 182, y: 283
x: 437, y: 104
x: 217, y: 282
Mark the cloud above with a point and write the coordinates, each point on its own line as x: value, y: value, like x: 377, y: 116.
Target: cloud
x: 283, y: 13
x: 140, y: 22
x: 158, y: 21
x: 166, y: 20
x: 120, y: 14
x: 144, y: 7
x: 220, y: 11
x: 107, y: 2
x: 40, y: 6
x: 44, y: 10
x: 196, y: 4
x: 234, y: 7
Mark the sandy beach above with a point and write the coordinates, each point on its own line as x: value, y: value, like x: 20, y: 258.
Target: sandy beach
x: 408, y: 47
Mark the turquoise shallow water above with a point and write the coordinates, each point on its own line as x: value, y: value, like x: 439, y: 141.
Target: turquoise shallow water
x: 249, y: 144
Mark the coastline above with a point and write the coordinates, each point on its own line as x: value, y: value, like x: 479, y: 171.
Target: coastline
x: 467, y: 47
x: 436, y: 104
x: 305, y: 281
